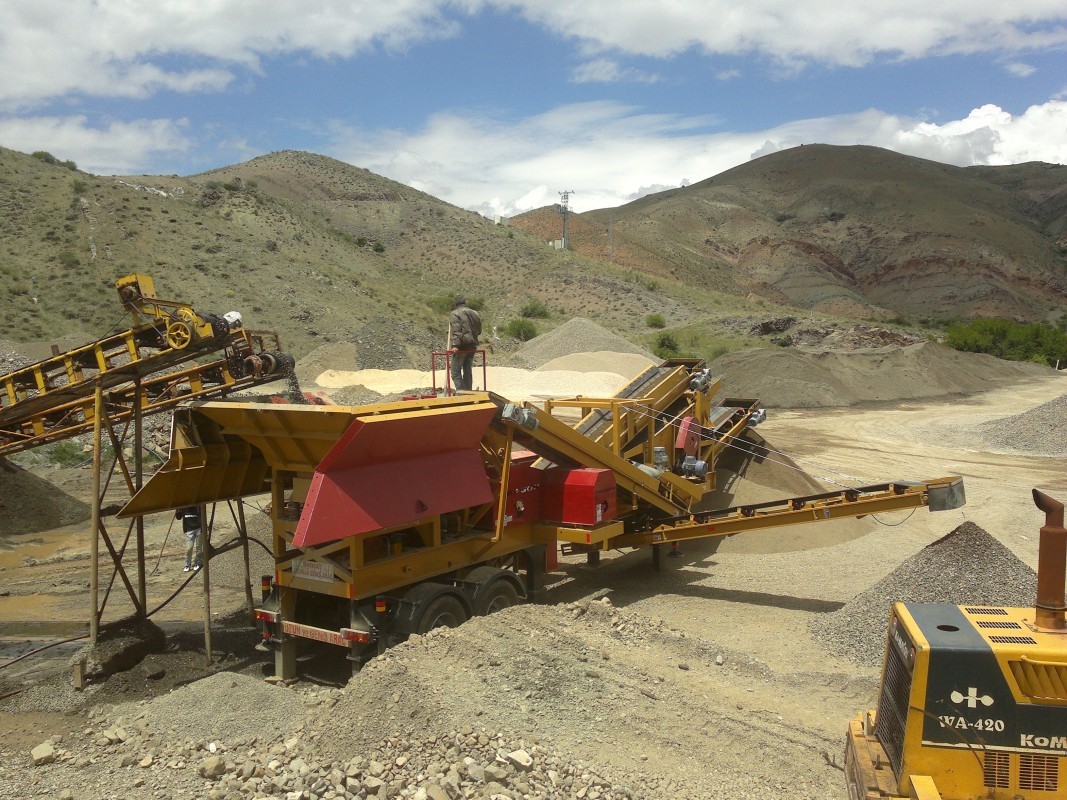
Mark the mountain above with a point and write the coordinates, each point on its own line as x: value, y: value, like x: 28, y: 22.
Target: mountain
x: 322, y: 251
x: 306, y: 245
x: 858, y: 231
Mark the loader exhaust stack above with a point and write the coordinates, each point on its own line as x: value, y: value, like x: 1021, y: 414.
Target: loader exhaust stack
x: 1051, y: 566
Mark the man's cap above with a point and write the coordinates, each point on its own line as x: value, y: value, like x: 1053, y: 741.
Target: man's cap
x: 460, y: 300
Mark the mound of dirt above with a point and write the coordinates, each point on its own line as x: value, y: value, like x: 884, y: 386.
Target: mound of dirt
x: 598, y: 684
x: 335, y: 355
x: 392, y: 344
x: 1038, y: 431
x: 801, y: 378
x: 625, y: 364
x: 967, y: 566
x: 578, y: 335
x: 225, y: 706
x: 29, y: 504
x: 380, y: 344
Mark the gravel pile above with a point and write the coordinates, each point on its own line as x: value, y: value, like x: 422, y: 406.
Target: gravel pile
x: 392, y: 344
x: 1038, y: 431
x: 790, y: 377
x: 965, y: 567
x: 578, y: 335
x: 10, y: 359
x: 226, y: 707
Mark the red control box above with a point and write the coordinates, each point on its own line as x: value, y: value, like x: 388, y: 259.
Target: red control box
x: 578, y: 496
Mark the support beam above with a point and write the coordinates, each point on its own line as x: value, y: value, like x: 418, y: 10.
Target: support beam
x: 94, y: 544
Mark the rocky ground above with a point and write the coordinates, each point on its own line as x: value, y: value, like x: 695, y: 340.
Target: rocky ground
x: 730, y: 674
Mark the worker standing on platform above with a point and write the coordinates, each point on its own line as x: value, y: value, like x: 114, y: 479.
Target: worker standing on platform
x: 190, y: 517
x: 464, y: 328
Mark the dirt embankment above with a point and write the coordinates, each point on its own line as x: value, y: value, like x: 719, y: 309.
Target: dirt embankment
x: 802, y: 378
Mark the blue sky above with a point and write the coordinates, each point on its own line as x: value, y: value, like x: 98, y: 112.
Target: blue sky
x: 498, y: 105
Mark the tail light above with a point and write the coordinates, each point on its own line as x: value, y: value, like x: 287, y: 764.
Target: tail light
x: 267, y: 616
x: 359, y: 637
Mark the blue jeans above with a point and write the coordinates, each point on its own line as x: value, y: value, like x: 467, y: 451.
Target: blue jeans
x: 463, y: 370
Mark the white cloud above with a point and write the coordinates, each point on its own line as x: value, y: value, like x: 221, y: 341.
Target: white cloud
x: 120, y: 148
x: 1020, y: 70
x: 123, y: 49
x: 727, y: 74
x: 606, y: 70
x: 608, y: 153
x: 110, y: 48
x: 828, y: 31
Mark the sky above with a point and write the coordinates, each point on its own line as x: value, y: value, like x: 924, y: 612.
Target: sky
x: 498, y: 106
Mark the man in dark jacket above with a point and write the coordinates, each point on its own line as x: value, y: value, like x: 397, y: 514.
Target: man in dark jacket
x: 464, y: 328
x: 190, y: 517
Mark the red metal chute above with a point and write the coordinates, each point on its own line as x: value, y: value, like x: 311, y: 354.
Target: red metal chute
x: 395, y: 469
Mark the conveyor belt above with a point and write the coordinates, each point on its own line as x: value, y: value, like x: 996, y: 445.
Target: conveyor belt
x: 595, y: 423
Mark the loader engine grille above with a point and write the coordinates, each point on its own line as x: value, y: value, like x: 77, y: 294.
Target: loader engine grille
x: 893, y: 703
x: 1039, y: 773
x: 995, y: 769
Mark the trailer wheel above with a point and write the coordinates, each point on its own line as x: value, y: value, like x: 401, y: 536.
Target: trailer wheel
x: 500, y: 594
x: 445, y: 611
x: 491, y: 589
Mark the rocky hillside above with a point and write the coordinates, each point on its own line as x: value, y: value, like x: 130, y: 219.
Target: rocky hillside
x: 320, y: 250
x: 858, y: 231
x: 303, y: 244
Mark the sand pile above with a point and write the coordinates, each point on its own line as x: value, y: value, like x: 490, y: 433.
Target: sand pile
x: 385, y: 344
x: 1038, y: 431
x: 515, y: 384
x: 575, y: 336
x: 965, y: 567
x: 628, y: 364
x: 798, y: 378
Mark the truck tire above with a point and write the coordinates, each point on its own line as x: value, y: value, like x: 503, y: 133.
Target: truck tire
x: 500, y: 594
x: 490, y: 589
x: 445, y: 611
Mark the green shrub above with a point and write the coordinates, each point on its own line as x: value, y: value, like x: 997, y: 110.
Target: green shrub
x: 378, y: 247
x: 522, y: 329
x: 68, y: 454
x: 666, y: 345
x: 1009, y: 340
x: 45, y: 156
x: 68, y: 259
x: 78, y: 186
x: 655, y: 321
x: 534, y: 309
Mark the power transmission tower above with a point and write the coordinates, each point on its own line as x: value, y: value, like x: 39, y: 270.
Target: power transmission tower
x: 564, y: 210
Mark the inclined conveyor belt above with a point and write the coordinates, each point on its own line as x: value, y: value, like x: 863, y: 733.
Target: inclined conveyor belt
x: 595, y: 423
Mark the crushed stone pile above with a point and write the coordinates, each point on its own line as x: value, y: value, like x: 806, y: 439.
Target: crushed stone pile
x: 386, y: 344
x: 1038, y: 431
x: 227, y: 707
x: 565, y: 684
x: 798, y: 378
x: 29, y: 504
x: 394, y: 344
x: 966, y: 566
x: 10, y: 358
x: 578, y: 335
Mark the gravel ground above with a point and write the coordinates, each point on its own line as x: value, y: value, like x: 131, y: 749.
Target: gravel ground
x: 968, y: 566
x: 1038, y: 431
x: 575, y: 336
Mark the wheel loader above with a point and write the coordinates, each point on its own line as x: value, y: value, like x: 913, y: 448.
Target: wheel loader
x: 973, y: 700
